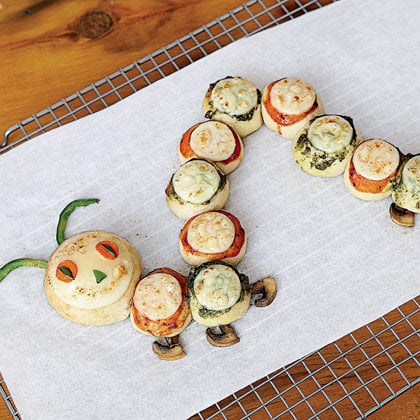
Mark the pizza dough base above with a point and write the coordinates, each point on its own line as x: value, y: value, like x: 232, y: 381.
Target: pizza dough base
x: 186, y: 210
x: 175, y: 331
x: 243, y: 128
x: 364, y: 195
x: 237, y: 311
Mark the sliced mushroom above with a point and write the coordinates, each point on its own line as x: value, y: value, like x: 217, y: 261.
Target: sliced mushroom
x: 401, y: 216
x: 169, y: 348
x: 225, y: 338
x: 267, y: 288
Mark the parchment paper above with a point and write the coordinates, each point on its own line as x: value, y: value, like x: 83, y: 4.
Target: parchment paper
x: 339, y: 262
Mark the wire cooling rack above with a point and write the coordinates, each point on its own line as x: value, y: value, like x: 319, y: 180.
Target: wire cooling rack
x: 246, y: 20
x: 349, y: 378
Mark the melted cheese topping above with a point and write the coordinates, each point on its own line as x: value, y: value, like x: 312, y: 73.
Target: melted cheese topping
x: 211, y: 233
x: 234, y: 96
x: 411, y: 175
x: 213, y: 140
x: 196, y: 181
x: 376, y: 159
x: 84, y: 291
x: 330, y: 133
x: 158, y: 296
x: 217, y: 287
x: 292, y: 96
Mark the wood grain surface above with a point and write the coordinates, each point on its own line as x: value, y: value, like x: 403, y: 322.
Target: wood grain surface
x: 53, y: 48
x: 50, y: 49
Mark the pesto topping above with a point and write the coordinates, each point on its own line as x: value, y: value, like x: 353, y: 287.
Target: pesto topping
x: 330, y: 133
x: 318, y: 159
x: 411, y: 175
x: 196, y: 181
x: 204, y: 311
x: 217, y: 287
x: 234, y: 96
x: 405, y: 186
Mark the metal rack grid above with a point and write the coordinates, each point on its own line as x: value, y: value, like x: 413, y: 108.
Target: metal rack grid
x: 355, y: 375
x: 350, y: 378
x: 252, y: 17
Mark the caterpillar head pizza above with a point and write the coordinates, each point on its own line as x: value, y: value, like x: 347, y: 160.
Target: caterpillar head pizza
x: 90, y: 278
x: 288, y: 105
x: 236, y: 102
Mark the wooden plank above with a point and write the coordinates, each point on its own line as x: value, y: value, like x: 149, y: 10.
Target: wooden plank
x: 50, y: 49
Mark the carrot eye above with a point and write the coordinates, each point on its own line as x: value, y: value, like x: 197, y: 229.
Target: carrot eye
x: 66, y: 271
x: 107, y: 249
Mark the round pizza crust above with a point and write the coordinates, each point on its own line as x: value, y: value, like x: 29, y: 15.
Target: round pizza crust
x: 115, y: 312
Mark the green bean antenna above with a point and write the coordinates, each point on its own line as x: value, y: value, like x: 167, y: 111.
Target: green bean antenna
x: 21, y: 262
x: 67, y: 211
x: 61, y: 227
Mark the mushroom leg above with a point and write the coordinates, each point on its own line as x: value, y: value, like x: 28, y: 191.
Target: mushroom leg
x: 265, y: 287
x: 225, y: 338
x: 169, y: 349
x: 401, y: 216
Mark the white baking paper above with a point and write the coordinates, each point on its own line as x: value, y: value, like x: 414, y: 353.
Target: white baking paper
x: 339, y: 262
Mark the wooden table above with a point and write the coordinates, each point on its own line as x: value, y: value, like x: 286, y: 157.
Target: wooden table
x: 51, y: 49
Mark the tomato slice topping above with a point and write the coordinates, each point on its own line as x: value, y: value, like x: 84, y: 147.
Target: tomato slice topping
x: 184, y: 145
x: 281, y: 118
x: 66, y: 271
x: 232, y: 251
x: 188, y: 152
x: 366, y: 185
x: 165, y: 327
x: 107, y: 249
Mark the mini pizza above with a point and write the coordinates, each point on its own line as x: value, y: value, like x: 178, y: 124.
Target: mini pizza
x: 160, y: 306
x: 370, y: 170
x: 325, y: 145
x: 214, y: 141
x: 406, y: 185
x: 90, y: 278
x: 212, y: 236
x: 236, y: 102
x: 218, y: 294
x: 288, y: 105
x: 198, y: 185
